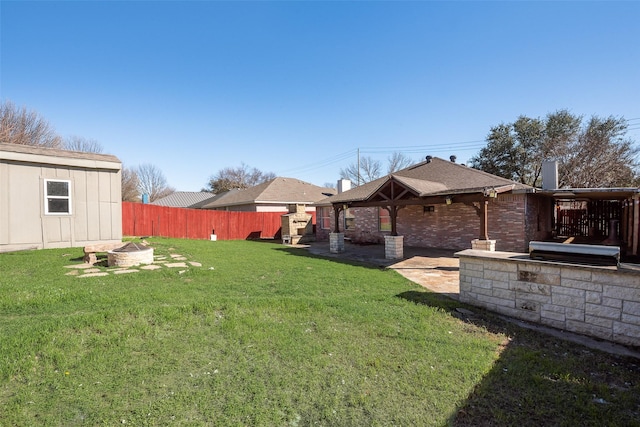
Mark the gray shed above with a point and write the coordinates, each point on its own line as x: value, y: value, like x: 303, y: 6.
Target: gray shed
x: 53, y: 198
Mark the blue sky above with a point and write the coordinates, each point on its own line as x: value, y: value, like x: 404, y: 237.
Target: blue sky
x: 296, y: 88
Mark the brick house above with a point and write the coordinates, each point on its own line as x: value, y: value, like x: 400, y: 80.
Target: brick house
x: 275, y: 195
x: 439, y: 204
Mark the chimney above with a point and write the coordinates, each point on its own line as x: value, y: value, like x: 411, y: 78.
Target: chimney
x: 344, y: 185
x: 549, y: 174
x: 452, y: 158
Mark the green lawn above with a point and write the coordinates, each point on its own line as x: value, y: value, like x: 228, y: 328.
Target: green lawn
x: 263, y: 334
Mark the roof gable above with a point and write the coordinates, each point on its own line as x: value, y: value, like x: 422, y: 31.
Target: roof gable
x: 280, y: 190
x: 454, y: 176
x: 436, y: 177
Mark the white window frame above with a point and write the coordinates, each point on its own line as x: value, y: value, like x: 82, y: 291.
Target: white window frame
x: 380, y: 216
x: 323, y: 216
x: 47, y: 197
x: 349, y: 219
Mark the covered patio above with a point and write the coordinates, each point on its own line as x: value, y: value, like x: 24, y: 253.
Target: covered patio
x: 438, y: 204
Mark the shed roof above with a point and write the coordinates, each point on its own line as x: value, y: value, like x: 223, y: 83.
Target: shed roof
x: 280, y: 190
x: 56, y: 157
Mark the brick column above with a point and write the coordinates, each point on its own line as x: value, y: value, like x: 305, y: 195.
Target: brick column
x: 483, y: 245
x: 336, y: 242
x: 394, y: 247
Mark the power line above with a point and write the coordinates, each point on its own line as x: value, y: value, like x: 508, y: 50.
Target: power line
x: 448, y: 144
x: 389, y: 150
x: 410, y: 149
x: 323, y: 163
x: 424, y: 149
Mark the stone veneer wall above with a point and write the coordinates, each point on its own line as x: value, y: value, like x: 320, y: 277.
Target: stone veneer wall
x: 455, y: 226
x: 602, y: 302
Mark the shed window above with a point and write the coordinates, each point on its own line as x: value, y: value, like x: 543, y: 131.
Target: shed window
x: 57, y: 197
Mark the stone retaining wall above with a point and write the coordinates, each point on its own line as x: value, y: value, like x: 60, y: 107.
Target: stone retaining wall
x: 602, y: 302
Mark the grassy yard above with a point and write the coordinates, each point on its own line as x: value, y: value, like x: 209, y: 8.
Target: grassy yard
x: 263, y: 334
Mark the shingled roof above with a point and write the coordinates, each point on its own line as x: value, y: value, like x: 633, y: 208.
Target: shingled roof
x: 436, y: 177
x: 278, y: 191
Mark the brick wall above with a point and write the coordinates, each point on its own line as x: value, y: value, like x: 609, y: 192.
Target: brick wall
x: 539, y: 221
x: 602, y: 302
x: 450, y: 226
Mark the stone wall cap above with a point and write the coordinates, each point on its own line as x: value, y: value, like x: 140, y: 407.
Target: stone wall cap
x: 521, y: 257
x: 475, y: 253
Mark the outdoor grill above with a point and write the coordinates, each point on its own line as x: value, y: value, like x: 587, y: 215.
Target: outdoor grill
x: 581, y: 254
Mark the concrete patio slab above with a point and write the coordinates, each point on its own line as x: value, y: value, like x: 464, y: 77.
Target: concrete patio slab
x: 434, y: 269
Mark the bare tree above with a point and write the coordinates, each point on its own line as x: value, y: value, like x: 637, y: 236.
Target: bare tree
x: 79, y: 143
x: 20, y: 126
x: 600, y: 157
x: 369, y: 170
x: 130, y: 185
x: 331, y: 185
x: 152, y: 182
x: 398, y: 161
x: 238, y: 177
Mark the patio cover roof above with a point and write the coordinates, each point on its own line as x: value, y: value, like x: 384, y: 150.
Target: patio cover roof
x: 434, y: 178
x: 592, y: 193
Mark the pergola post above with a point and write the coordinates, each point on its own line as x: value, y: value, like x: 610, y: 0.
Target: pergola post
x: 482, y: 242
x: 393, y: 213
x: 484, y: 220
x: 336, y: 212
x: 393, y: 244
x: 336, y: 239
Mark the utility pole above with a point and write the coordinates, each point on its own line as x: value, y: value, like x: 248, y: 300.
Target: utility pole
x: 358, y: 167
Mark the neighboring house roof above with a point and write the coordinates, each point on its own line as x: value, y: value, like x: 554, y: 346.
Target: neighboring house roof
x: 278, y: 191
x: 185, y: 199
x: 54, y: 156
x: 436, y: 177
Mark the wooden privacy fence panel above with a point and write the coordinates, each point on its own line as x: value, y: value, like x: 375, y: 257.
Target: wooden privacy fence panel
x: 140, y: 219
x: 591, y: 220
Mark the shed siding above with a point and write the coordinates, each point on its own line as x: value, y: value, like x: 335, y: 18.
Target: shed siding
x: 96, y: 214
x: 4, y: 205
x: 23, y: 210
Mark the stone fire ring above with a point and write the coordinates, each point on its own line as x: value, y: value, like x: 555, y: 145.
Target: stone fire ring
x: 130, y: 255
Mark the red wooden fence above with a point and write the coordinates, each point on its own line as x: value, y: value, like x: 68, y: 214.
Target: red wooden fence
x: 140, y: 219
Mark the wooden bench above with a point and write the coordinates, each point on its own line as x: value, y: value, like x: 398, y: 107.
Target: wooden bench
x: 90, y: 251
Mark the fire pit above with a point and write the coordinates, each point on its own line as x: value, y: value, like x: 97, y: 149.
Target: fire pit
x: 130, y: 255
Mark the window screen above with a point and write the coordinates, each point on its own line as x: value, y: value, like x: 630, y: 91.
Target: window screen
x: 57, y: 197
